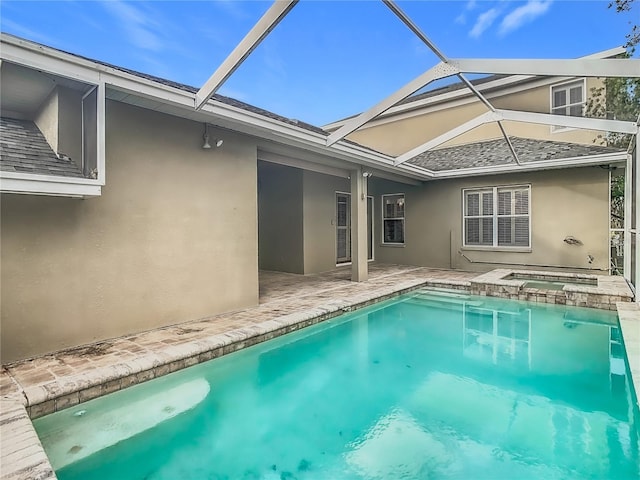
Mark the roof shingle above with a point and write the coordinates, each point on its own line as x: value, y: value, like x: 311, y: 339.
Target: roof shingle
x: 23, y: 149
x: 496, y: 152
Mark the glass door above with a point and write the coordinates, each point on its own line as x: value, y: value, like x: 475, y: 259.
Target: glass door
x: 343, y: 227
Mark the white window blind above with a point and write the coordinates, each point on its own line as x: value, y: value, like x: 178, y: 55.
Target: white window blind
x: 497, y: 217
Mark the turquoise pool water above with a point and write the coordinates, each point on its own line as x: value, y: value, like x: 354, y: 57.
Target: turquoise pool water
x: 428, y: 385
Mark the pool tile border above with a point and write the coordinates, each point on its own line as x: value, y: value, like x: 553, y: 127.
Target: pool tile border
x: 629, y: 317
x: 609, y: 290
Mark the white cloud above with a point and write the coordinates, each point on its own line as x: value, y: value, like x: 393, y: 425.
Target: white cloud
x: 524, y: 14
x: 233, y: 8
x: 462, y: 18
x: 483, y: 22
x: 139, y: 25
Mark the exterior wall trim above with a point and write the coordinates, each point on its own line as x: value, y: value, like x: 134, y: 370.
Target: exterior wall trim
x: 591, y: 160
x: 54, y: 187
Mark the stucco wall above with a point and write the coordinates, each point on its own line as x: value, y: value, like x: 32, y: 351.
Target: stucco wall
x: 297, y: 214
x: 46, y: 118
x: 70, y: 124
x: 172, y: 238
x: 320, y: 220
x: 60, y: 121
x: 398, y: 135
x: 280, y: 218
x: 563, y: 203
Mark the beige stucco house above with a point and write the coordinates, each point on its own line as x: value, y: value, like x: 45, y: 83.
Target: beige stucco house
x: 477, y: 170
x: 115, y: 219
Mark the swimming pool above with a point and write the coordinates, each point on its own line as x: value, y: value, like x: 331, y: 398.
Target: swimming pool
x: 430, y: 384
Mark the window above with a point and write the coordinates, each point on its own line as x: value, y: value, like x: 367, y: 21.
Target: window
x: 497, y: 217
x: 568, y: 99
x: 393, y: 219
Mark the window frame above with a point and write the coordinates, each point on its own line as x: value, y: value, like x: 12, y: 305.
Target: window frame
x: 403, y: 218
x: 567, y: 86
x: 371, y: 235
x: 495, y: 216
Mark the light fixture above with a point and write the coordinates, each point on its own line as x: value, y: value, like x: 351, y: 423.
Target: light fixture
x: 367, y: 174
x: 205, y: 137
x: 206, y: 145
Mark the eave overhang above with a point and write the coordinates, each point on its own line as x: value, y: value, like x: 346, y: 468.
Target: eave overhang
x: 29, y: 184
x: 175, y: 101
x: 617, y: 158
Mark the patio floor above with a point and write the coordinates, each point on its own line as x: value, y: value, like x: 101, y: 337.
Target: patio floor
x: 62, y: 379
x: 39, y: 386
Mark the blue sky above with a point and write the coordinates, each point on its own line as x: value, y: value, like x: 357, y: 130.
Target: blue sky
x: 327, y: 59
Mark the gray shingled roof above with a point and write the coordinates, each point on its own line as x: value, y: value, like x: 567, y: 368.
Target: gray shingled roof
x: 188, y: 88
x: 223, y: 99
x: 218, y: 98
x: 23, y: 149
x: 496, y: 152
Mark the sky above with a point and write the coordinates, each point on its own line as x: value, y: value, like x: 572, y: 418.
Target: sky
x: 327, y: 59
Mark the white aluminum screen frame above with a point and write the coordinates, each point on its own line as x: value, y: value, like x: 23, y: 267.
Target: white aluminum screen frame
x: 581, y: 67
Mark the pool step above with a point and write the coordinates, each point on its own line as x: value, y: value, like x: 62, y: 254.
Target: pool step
x: 442, y: 297
x: 444, y: 292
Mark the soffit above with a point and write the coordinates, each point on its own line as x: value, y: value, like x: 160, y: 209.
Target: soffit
x: 25, y: 89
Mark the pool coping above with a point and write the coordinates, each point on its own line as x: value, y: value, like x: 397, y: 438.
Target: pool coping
x: 629, y: 318
x: 24, y: 457
x: 608, y: 291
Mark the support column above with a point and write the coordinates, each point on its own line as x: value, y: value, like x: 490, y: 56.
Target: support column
x: 636, y: 202
x: 628, y: 193
x: 359, y: 266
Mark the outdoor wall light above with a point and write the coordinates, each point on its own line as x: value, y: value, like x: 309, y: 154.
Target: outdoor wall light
x: 206, y: 145
x: 367, y: 174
